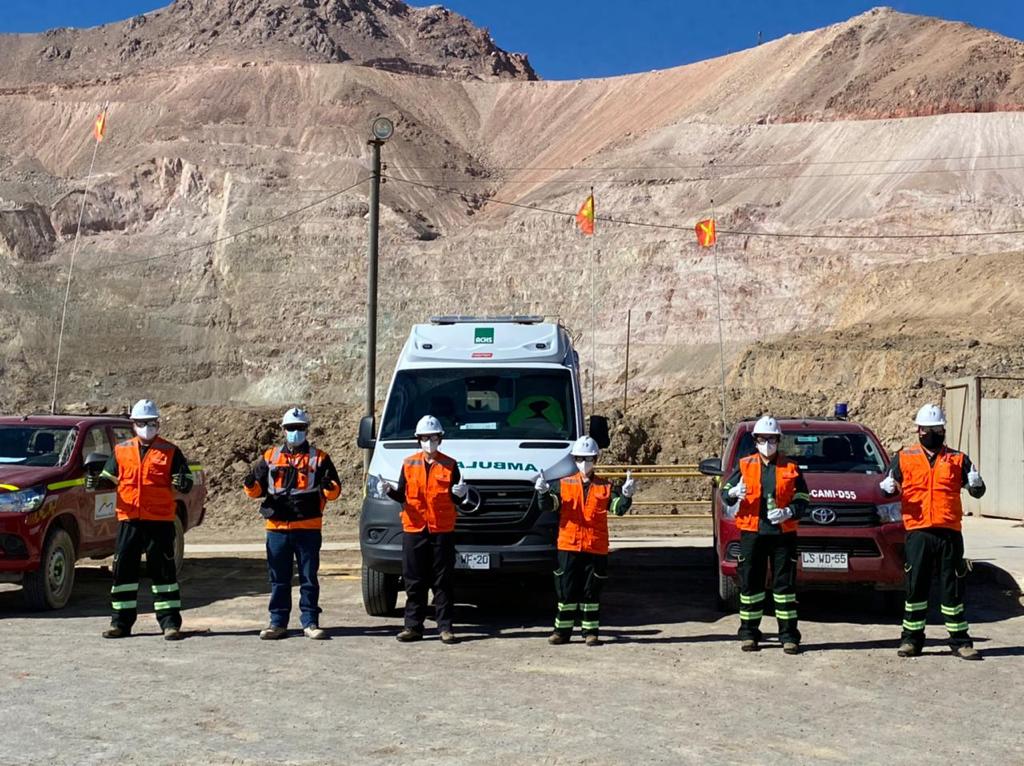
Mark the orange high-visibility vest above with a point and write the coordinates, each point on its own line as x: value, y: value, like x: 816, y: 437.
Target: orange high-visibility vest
x: 428, y: 502
x: 931, y: 493
x: 305, y: 465
x: 786, y: 473
x: 583, y: 522
x: 144, y: 484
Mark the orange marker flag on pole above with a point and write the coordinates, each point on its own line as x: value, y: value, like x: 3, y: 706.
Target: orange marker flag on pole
x: 585, y: 216
x: 706, y: 232
x: 100, y: 128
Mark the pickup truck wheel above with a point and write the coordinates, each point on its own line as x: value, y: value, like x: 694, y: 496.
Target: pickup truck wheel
x: 50, y: 586
x: 380, y: 592
x: 728, y: 598
x: 179, y: 546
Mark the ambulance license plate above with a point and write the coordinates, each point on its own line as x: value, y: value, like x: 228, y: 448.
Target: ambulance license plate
x: 472, y: 560
x: 823, y: 560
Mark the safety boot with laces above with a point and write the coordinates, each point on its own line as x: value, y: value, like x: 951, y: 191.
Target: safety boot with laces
x: 908, y: 649
x: 116, y: 632
x: 749, y: 645
x: 273, y: 633
x: 967, y: 652
x: 315, y: 632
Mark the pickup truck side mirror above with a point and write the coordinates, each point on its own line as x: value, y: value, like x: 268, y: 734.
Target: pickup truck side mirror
x: 94, y: 462
x: 365, y: 438
x: 597, y: 427
x: 711, y: 466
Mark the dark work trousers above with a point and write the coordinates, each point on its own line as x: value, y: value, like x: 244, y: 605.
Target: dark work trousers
x: 303, y: 547
x: 428, y: 563
x: 930, y: 552
x: 156, y: 540
x: 579, y: 579
x: 756, y: 552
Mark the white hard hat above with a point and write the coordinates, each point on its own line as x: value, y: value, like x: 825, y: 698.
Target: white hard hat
x: 295, y: 417
x: 767, y: 426
x: 930, y: 415
x: 145, y: 409
x: 428, y: 426
x: 585, y: 446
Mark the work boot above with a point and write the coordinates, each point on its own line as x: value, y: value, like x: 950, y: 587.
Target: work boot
x: 447, y: 637
x: 315, y: 632
x: 116, y: 632
x: 749, y: 645
x: 173, y: 634
x: 557, y: 638
x: 967, y: 652
x: 908, y: 649
x: 791, y: 647
x: 592, y: 640
x: 409, y: 634
x: 273, y: 633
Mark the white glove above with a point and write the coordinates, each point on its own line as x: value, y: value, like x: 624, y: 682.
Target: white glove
x: 888, y: 485
x: 628, y: 486
x: 730, y: 511
x: 739, y: 491
x: 779, y: 515
x: 383, y: 487
x: 973, y: 477
x: 541, y: 485
x: 461, y: 489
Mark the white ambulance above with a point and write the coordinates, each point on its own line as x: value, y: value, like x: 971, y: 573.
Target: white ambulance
x: 507, y: 391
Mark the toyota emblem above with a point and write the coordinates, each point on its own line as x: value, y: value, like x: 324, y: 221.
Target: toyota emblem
x: 823, y: 515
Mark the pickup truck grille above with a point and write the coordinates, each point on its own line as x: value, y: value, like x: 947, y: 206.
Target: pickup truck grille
x: 505, y: 504
x: 844, y: 516
x: 854, y: 546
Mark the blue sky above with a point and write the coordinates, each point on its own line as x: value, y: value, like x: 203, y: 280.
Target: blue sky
x: 568, y: 39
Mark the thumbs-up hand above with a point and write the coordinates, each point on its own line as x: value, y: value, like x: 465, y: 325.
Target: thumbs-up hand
x: 541, y: 485
x: 628, y: 486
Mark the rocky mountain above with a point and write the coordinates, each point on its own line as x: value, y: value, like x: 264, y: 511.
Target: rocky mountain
x: 385, y: 34
x: 884, y: 126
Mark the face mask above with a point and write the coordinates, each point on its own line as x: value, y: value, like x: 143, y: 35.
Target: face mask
x: 767, y: 448
x: 295, y: 438
x: 931, y: 440
x: 146, y: 433
x: 429, y: 445
x: 586, y: 467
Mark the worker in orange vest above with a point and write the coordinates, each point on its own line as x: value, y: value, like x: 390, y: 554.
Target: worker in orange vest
x: 147, y: 470
x: 766, y: 496
x: 429, y: 489
x: 295, y: 481
x: 583, y: 502
x: 928, y: 477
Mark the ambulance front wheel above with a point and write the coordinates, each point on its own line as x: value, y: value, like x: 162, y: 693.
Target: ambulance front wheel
x: 380, y: 592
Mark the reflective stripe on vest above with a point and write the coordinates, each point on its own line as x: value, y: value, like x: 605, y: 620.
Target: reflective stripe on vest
x: 583, y: 519
x: 144, y: 483
x: 786, y: 472
x: 931, y: 493
x: 428, y: 503
x: 305, y: 480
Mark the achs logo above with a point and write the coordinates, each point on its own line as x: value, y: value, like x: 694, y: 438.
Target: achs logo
x: 823, y: 515
x: 484, y: 335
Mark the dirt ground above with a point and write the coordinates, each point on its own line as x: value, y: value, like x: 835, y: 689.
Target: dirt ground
x: 669, y: 686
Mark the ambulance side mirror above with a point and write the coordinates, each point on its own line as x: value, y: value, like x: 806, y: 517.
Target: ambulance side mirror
x: 597, y: 427
x: 365, y: 438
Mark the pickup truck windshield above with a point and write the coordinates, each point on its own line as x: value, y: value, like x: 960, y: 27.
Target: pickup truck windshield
x: 36, y: 445
x: 826, y: 452
x: 483, y: 404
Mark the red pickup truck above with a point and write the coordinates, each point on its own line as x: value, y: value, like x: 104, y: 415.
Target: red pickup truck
x: 48, y: 519
x: 851, y: 534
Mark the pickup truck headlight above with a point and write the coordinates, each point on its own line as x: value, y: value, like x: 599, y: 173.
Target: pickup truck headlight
x: 22, y: 501
x: 890, y: 513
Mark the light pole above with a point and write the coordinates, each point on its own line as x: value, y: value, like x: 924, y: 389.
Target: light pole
x: 382, y: 129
